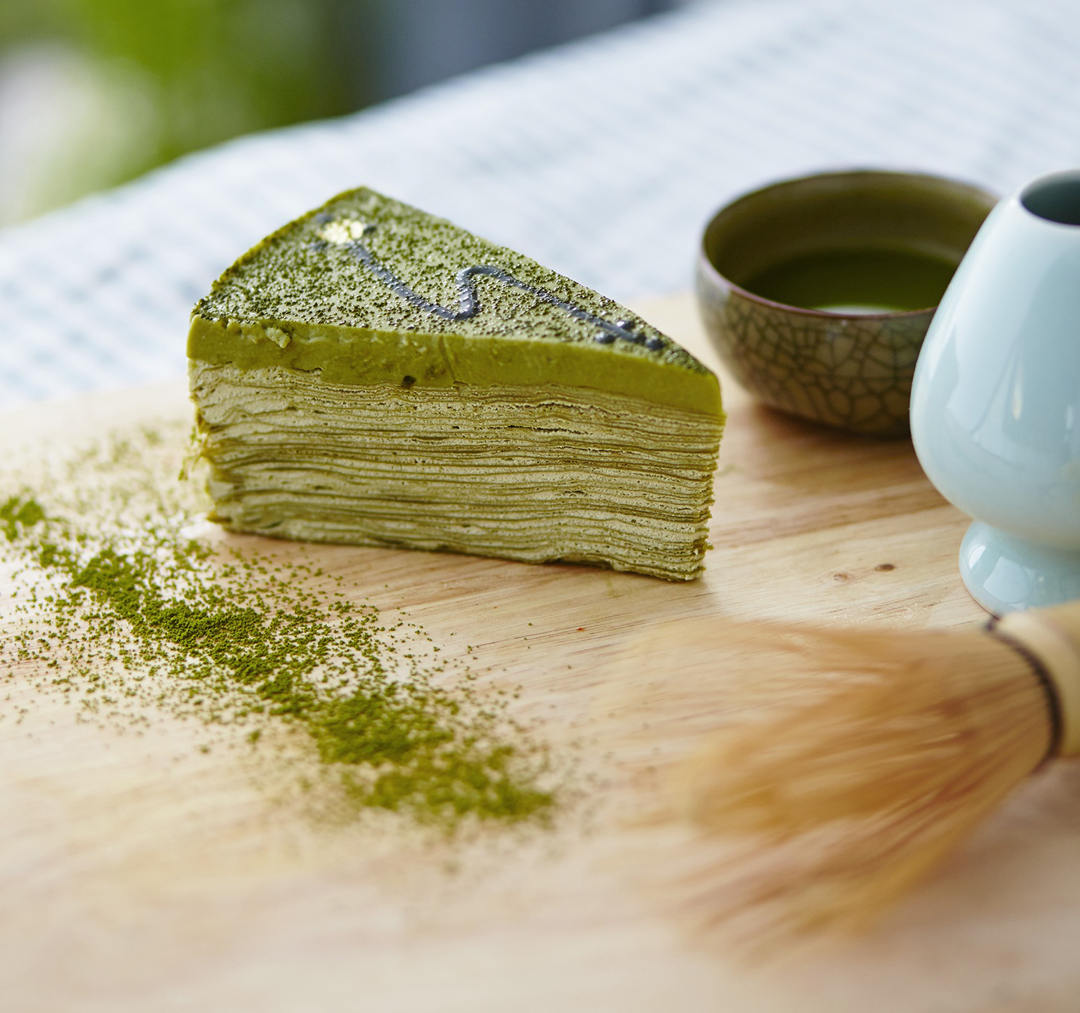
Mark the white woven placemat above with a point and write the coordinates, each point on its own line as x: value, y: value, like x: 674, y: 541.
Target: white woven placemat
x: 601, y: 159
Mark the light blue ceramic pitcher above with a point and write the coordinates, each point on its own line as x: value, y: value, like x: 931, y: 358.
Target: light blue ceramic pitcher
x: 995, y: 402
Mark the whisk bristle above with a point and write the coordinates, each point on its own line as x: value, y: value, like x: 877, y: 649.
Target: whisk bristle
x: 858, y: 794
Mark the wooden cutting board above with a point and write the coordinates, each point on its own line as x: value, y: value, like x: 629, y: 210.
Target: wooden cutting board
x: 138, y: 873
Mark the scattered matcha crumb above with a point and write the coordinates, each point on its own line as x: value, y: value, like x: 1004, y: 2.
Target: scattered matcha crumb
x: 17, y: 514
x: 114, y: 603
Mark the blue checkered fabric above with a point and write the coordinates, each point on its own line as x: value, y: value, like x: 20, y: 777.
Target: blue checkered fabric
x: 602, y: 159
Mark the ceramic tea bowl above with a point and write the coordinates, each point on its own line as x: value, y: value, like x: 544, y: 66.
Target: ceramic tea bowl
x: 817, y: 292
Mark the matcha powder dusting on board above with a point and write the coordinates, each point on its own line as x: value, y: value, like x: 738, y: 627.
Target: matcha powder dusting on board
x: 123, y: 612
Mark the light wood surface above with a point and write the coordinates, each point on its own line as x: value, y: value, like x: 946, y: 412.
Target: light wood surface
x: 138, y: 873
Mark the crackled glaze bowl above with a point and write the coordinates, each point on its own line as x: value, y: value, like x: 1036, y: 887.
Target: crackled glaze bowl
x: 817, y: 292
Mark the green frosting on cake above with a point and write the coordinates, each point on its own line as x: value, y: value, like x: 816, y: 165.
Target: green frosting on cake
x: 302, y: 298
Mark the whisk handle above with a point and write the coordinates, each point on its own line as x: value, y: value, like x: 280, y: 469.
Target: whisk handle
x: 1052, y: 635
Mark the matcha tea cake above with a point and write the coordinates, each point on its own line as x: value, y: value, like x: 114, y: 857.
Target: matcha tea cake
x: 375, y: 375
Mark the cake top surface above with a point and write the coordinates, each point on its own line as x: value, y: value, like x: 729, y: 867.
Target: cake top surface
x: 365, y: 261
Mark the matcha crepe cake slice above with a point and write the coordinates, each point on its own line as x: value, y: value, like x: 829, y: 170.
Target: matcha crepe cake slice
x: 371, y: 374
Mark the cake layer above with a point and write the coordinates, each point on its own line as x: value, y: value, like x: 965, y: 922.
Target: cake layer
x: 346, y: 355
x: 525, y: 472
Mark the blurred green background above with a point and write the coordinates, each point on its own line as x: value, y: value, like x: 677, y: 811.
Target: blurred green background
x: 95, y: 92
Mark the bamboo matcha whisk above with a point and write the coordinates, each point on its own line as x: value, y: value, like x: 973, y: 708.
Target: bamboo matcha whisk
x: 917, y: 737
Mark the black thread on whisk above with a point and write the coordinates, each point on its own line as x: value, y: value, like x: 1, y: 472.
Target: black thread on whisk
x: 1038, y: 669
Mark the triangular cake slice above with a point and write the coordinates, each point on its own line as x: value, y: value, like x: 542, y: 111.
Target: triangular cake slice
x: 371, y: 374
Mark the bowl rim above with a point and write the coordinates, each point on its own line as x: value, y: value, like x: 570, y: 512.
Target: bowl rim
x: 1046, y: 179
x: 705, y: 261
